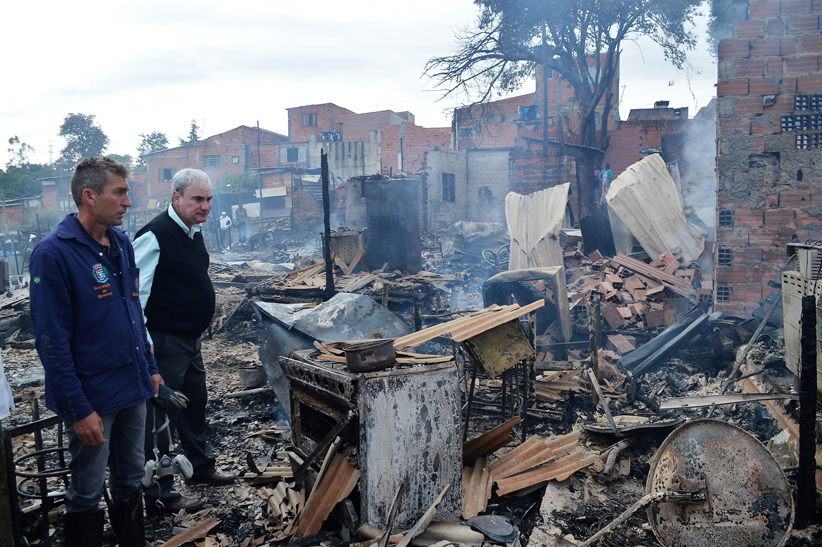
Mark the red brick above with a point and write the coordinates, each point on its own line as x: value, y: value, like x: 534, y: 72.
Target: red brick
x: 809, y: 83
x: 723, y: 199
x: 774, y: 255
x: 774, y: 66
x: 732, y: 87
x: 732, y: 308
x: 802, y: 65
x: 787, y: 46
x: 762, y: 86
x: 764, y: 236
x: 784, y: 103
x: 807, y: 23
x: 747, y: 255
x: 731, y: 274
x: 748, y: 218
x: 734, y: 48
x: 779, y: 218
x: 788, y: 85
x: 767, y: 291
x: 747, y: 293
x: 762, y: 274
x: 772, y: 201
x: 804, y: 220
x: 749, y: 29
x: 734, y: 124
x: 764, y: 10
x: 775, y: 27
x: 750, y: 67
x: 795, y: 7
x: 747, y: 105
x: 794, y: 199
x: 816, y: 199
x: 732, y: 236
x: 811, y: 44
x: 766, y: 48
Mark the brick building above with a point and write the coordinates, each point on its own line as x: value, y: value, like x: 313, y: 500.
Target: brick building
x: 768, y: 148
x: 224, y: 157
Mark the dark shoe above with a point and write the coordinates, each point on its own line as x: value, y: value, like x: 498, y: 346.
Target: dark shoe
x: 127, y: 521
x: 215, y: 479
x: 84, y: 529
x: 183, y: 503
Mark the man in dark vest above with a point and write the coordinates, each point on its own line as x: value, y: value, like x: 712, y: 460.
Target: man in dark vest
x: 178, y: 303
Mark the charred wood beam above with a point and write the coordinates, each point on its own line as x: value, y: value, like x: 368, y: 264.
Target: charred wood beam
x: 329, y: 264
x: 806, y: 484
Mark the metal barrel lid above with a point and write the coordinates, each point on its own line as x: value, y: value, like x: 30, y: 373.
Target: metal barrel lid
x: 749, y: 500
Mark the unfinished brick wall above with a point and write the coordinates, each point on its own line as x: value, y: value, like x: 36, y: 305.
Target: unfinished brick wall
x: 769, y: 115
x: 416, y: 141
x: 324, y: 117
x: 633, y: 136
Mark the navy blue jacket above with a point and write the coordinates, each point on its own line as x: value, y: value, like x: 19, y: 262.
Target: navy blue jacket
x: 88, y: 323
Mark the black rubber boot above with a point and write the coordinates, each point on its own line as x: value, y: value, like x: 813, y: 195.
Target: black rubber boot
x: 84, y: 529
x: 128, y: 522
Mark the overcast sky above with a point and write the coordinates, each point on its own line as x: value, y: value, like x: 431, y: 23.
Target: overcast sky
x: 154, y: 65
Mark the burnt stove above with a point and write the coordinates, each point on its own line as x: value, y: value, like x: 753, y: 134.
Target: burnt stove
x: 407, y: 429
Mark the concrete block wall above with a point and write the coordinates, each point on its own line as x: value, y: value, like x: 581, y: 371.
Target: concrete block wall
x: 490, y: 174
x: 769, y: 116
x: 444, y: 213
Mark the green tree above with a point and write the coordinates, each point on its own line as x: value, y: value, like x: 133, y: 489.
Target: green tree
x: 19, y: 181
x: 193, y: 134
x: 512, y: 37
x: 83, y: 137
x: 153, y: 142
x: 19, y: 152
x: 125, y: 159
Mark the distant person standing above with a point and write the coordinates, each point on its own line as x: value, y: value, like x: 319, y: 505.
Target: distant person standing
x: 605, y: 178
x: 225, y: 230
x: 241, y: 218
x: 341, y: 211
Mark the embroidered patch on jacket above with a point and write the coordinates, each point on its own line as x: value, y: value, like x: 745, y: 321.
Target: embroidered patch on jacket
x: 100, y: 273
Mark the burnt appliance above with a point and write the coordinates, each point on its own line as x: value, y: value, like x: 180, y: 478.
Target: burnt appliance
x: 406, y: 429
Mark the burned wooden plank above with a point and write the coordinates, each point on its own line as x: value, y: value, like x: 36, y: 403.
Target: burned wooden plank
x: 677, y: 285
x: 559, y: 469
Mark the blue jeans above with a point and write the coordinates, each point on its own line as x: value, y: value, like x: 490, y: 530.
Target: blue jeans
x: 122, y: 454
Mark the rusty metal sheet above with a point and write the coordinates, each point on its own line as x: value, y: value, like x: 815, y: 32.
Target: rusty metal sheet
x: 409, y: 432
x: 500, y: 348
x: 749, y: 501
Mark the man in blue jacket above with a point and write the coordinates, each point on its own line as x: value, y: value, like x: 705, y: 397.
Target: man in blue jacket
x: 89, y: 333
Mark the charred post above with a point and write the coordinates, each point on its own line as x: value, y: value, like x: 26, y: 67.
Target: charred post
x: 806, y: 485
x: 329, y: 265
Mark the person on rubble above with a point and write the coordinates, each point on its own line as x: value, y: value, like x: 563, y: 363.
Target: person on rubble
x: 605, y: 178
x: 178, y: 303
x: 225, y: 230
x: 341, y: 211
x: 89, y: 333
x: 241, y: 218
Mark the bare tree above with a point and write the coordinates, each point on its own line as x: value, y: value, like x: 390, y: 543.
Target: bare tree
x: 512, y: 37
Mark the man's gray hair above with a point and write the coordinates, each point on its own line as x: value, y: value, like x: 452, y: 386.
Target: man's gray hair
x: 189, y: 177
